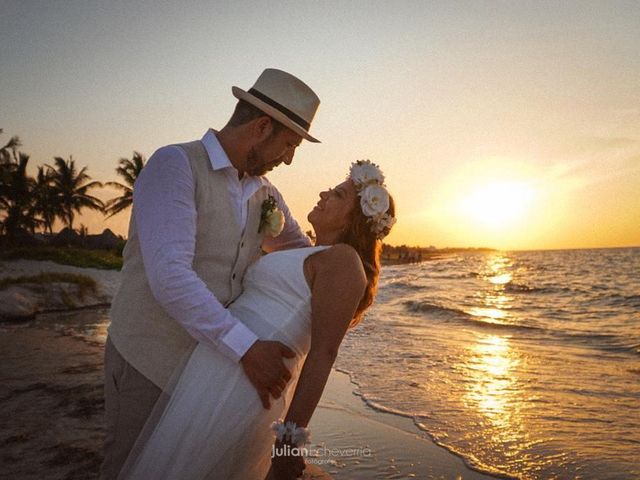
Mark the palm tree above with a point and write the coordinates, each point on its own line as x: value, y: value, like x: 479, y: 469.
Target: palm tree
x: 8, y: 164
x: 71, y: 189
x: 129, y: 170
x: 9, y: 151
x: 15, y: 197
x: 9, y: 167
x: 46, y: 203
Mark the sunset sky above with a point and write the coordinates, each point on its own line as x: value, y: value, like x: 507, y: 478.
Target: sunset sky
x: 512, y: 125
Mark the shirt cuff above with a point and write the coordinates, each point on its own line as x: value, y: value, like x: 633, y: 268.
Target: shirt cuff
x: 238, y: 340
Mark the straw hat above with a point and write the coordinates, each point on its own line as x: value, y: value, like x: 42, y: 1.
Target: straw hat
x: 285, y: 98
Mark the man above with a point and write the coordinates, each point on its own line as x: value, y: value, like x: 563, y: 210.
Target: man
x: 196, y: 225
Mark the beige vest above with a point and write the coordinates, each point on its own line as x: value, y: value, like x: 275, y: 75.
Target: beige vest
x: 144, y: 334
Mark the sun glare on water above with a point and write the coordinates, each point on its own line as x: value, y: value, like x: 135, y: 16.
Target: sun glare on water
x: 498, y: 204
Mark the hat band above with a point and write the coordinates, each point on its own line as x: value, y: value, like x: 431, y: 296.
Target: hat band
x: 281, y: 108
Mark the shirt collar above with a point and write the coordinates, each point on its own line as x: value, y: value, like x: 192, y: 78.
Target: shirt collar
x: 220, y: 160
x: 217, y: 155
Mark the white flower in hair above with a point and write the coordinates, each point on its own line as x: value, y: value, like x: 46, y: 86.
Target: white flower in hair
x: 374, y: 197
x: 364, y: 172
x: 374, y: 200
x: 383, y: 225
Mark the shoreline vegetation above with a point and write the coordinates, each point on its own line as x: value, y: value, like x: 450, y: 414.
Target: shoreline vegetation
x: 84, y: 283
x: 73, y: 256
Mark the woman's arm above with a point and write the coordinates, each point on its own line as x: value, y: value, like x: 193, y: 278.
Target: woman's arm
x: 338, y: 283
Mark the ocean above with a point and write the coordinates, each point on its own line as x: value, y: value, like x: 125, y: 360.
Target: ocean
x: 526, y: 364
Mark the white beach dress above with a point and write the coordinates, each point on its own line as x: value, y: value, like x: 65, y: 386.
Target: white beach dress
x: 214, y: 425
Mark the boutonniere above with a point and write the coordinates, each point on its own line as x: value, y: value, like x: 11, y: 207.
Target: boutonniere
x: 271, y: 218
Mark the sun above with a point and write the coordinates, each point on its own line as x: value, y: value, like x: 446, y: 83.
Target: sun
x: 498, y: 204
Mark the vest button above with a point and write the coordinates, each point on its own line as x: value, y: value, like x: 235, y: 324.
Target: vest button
x: 242, y: 245
x: 233, y: 277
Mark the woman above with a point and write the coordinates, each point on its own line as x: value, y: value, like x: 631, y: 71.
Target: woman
x: 214, y: 426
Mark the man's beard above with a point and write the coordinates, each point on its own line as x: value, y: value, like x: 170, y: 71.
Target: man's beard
x: 256, y: 166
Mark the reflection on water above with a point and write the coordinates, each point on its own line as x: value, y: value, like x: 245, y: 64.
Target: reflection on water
x: 491, y: 363
x: 491, y: 367
x: 496, y: 265
x: 488, y: 313
x: 499, y: 302
x: 492, y: 389
x: 494, y: 303
x: 501, y: 279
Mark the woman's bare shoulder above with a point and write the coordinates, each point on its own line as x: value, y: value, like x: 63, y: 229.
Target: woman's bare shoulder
x: 340, y: 260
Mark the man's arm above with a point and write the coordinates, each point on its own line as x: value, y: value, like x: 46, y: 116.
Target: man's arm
x: 338, y: 284
x: 337, y: 287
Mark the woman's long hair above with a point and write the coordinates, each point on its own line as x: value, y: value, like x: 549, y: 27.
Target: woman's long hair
x: 361, y: 237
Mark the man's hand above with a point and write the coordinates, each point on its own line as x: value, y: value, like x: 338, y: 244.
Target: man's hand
x: 263, y: 365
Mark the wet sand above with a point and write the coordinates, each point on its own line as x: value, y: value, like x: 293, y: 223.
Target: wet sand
x: 353, y: 441
x: 51, y: 405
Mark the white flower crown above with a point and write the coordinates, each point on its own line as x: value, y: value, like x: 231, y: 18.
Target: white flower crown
x: 374, y: 197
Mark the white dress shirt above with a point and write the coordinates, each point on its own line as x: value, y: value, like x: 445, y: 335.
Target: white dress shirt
x: 165, y: 215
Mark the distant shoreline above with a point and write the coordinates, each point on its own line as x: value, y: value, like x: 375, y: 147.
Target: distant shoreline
x: 403, y: 255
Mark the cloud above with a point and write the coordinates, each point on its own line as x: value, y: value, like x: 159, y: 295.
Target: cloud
x: 585, y: 172
x: 599, y: 145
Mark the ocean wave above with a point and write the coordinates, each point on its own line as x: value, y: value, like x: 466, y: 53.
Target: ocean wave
x: 376, y: 405
x: 462, y: 316
x: 603, y: 342
x: 625, y: 300
x: 401, y: 285
x: 417, y: 306
x: 371, y: 402
x: 513, y: 287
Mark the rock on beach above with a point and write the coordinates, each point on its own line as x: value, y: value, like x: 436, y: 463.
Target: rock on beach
x: 24, y: 300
